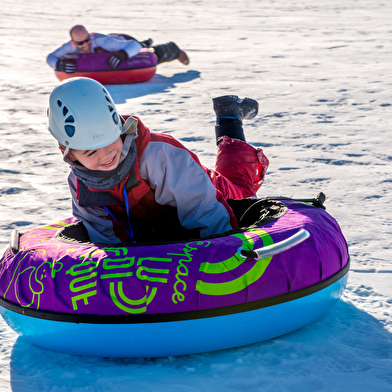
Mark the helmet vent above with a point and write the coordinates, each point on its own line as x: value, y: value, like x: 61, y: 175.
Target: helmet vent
x: 69, y: 130
x: 115, y: 118
x: 111, y: 108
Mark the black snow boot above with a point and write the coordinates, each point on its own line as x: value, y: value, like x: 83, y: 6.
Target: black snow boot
x: 230, y: 106
x: 169, y: 52
x: 230, y: 111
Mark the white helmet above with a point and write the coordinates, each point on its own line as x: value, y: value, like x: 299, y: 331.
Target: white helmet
x: 82, y: 115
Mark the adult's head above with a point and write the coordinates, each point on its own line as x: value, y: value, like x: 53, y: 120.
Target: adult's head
x: 81, y: 38
x: 82, y: 115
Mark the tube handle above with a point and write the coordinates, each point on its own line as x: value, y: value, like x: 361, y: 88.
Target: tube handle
x: 14, y: 242
x: 274, y: 249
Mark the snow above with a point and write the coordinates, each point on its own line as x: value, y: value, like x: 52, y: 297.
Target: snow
x: 321, y: 72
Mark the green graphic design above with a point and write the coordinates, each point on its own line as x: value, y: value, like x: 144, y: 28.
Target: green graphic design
x: 83, y: 273
x: 33, y: 234
x: 113, y: 264
x: 182, y: 269
x: 141, y: 272
x: 143, y: 301
x: 36, y: 276
x: 241, y: 282
x: 52, y: 227
x: 122, y: 273
x: 231, y: 263
x: 84, y: 297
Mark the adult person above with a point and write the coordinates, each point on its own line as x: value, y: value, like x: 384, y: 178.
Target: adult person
x: 122, y: 46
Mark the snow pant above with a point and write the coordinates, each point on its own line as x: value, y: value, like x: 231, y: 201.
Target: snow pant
x: 164, y: 52
x: 239, y: 169
x: 167, y: 52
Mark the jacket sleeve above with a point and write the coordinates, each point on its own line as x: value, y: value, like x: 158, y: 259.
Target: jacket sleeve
x: 95, y: 219
x: 113, y: 44
x: 180, y: 181
x: 62, y: 51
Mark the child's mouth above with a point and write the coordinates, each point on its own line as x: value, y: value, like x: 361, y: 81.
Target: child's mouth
x: 109, y: 163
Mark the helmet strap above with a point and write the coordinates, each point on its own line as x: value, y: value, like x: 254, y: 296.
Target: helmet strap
x: 130, y: 126
x: 65, y: 152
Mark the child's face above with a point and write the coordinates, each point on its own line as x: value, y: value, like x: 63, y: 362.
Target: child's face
x: 104, y: 159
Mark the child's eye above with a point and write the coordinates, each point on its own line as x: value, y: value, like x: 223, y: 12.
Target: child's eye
x: 91, y: 153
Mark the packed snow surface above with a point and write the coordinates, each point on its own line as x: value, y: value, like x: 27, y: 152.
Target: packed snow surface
x: 321, y: 71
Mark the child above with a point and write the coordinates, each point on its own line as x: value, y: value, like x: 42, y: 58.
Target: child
x: 132, y: 185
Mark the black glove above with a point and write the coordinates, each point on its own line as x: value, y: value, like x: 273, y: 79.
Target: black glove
x: 67, y: 66
x: 116, y: 58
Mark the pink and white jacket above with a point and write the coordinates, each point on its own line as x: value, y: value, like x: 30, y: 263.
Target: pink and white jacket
x: 169, y: 183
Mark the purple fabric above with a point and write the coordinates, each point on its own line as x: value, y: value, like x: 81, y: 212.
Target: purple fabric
x: 50, y: 275
x: 97, y: 62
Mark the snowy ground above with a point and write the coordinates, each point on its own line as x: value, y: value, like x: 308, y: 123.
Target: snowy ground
x: 321, y: 71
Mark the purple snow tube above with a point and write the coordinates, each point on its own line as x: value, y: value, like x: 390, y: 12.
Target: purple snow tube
x: 53, y: 273
x: 139, y: 68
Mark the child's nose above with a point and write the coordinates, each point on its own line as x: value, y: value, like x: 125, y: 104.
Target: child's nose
x: 105, y: 152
